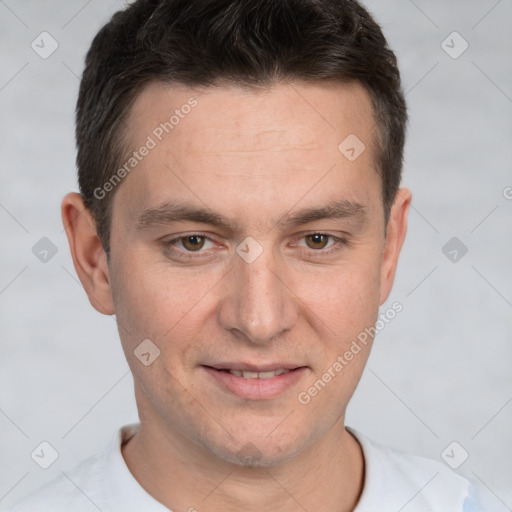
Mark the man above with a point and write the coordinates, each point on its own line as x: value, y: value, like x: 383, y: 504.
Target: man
x: 240, y: 213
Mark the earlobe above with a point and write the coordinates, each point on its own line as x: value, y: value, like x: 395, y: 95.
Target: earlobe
x: 89, y: 258
x: 395, y: 236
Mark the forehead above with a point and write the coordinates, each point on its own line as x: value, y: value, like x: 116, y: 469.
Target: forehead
x: 272, y: 144
x: 295, y: 112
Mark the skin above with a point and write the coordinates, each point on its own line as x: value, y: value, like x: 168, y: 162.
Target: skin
x: 255, y: 158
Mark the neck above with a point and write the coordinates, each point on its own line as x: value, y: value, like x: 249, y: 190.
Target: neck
x: 182, y: 475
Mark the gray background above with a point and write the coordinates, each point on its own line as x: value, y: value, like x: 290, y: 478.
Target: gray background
x: 439, y: 372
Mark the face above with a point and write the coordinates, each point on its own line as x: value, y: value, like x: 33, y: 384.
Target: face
x: 246, y: 244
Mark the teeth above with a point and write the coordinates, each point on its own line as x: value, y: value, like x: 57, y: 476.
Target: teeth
x: 266, y: 375
x: 258, y: 375
x: 249, y: 375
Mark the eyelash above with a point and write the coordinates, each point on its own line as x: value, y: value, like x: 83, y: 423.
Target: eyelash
x: 338, y: 244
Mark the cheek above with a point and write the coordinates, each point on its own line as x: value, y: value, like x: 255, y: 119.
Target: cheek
x: 154, y: 301
x: 343, y: 307
x: 345, y: 299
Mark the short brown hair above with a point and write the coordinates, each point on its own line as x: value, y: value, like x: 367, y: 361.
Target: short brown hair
x: 254, y: 43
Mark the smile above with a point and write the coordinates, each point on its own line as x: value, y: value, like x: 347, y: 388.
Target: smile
x: 253, y: 383
x: 257, y: 375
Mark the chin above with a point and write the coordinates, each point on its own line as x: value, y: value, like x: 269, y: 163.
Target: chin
x: 258, y: 450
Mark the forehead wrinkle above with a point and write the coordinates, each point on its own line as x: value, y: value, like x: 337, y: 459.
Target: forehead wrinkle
x: 273, y: 149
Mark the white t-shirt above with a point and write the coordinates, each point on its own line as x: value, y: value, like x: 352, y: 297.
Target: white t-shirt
x: 393, y: 481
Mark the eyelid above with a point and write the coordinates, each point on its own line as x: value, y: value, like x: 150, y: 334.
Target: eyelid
x: 174, y: 240
x: 338, y: 243
x: 332, y: 237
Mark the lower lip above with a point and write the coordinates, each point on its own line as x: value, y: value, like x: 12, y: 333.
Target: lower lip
x: 257, y: 389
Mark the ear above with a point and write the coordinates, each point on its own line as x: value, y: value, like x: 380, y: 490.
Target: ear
x: 89, y: 258
x: 395, y: 236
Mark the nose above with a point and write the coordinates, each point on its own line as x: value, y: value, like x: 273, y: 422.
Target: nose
x: 258, y: 305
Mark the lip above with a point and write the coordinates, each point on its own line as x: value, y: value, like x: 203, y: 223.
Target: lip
x: 248, y: 367
x: 256, y: 389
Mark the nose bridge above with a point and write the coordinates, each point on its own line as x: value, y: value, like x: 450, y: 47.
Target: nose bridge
x: 258, y: 304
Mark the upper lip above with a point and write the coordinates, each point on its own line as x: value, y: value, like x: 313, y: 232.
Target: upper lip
x: 248, y: 367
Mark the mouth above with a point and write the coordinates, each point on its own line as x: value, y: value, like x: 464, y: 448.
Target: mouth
x: 253, y: 382
x: 248, y: 374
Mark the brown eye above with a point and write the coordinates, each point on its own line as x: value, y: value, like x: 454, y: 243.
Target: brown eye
x: 193, y: 243
x: 317, y: 241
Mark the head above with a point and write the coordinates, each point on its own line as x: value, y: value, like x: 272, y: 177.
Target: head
x: 239, y: 168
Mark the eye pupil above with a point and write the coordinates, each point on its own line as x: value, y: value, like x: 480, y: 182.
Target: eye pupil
x: 193, y: 243
x: 317, y: 241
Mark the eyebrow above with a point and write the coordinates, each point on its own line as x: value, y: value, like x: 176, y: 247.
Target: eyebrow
x: 167, y: 213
